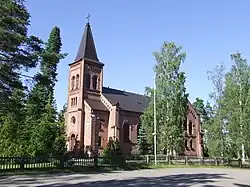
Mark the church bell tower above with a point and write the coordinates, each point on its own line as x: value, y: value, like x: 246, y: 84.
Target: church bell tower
x: 85, y: 82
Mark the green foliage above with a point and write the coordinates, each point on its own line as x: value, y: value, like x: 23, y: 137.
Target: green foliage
x: 171, y: 99
x: 142, y: 140
x: 46, y: 133
x: 216, y: 128
x: 17, y: 49
x: 229, y: 127
x: 59, y: 145
x: 28, y: 124
x: 205, y: 116
x: 13, y: 139
x: 112, y: 153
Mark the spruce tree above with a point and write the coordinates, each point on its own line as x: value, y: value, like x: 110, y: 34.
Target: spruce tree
x: 59, y: 145
x: 142, y: 140
x: 43, y: 134
x: 13, y: 139
x: 17, y: 49
x: 41, y: 99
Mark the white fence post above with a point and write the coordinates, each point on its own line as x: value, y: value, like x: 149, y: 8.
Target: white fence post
x: 147, y: 159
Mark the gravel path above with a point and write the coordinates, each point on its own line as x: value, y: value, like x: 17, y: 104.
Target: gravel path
x: 206, y: 177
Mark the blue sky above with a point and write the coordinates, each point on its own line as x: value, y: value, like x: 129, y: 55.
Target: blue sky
x: 127, y: 32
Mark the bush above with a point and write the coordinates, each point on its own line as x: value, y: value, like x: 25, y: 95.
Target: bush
x: 112, y: 154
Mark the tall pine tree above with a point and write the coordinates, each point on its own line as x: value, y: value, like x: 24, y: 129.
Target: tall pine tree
x: 17, y: 49
x: 18, y: 52
x: 41, y: 98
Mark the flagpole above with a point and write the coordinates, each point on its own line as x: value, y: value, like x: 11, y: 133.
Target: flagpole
x: 155, y: 121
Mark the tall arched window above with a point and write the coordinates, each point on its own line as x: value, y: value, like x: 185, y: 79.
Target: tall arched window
x: 186, y: 144
x: 77, y: 81
x: 94, y: 82
x: 192, y: 145
x: 190, y: 127
x: 72, y: 142
x: 88, y: 80
x: 73, y: 83
x: 125, y: 133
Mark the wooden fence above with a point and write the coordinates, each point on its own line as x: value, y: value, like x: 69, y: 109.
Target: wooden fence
x: 21, y: 163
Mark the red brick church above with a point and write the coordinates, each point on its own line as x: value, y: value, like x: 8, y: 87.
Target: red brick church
x: 96, y: 113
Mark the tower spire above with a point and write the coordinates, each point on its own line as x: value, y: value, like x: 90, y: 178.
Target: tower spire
x: 87, y: 45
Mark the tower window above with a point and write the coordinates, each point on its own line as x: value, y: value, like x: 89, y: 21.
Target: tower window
x: 73, y: 83
x: 77, y: 81
x: 94, y: 82
x: 74, y: 101
x: 88, y: 80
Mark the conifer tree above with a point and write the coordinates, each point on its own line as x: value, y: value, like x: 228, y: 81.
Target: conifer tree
x: 44, y: 133
x: 17, y: 49
x: 40, y: 108
x: 59, y: 145
x: 13, y: 140
x: 18, y: 52
x: 142, y: 140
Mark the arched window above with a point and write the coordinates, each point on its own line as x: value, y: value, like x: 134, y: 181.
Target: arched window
x: 94, y: 82
x: 191, y: 145
x: 190, y: 127
x: 72, y: 142
x: 125, y: 133
x: 73, y: 83
x: 77, y: 81
x: 73, y: 120
x: 186, y: 144
x: 88, y: 80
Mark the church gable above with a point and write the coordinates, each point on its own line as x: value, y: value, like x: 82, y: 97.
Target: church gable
x: 96, y: 105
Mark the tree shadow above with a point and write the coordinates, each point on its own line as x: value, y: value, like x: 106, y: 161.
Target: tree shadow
x: 180, y: 180
x: 241, y: 185
x: 46, y: 171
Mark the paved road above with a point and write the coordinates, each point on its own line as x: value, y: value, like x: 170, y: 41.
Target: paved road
x: 207, y: 177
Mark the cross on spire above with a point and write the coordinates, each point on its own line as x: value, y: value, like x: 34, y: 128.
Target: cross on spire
x: 88, y: 17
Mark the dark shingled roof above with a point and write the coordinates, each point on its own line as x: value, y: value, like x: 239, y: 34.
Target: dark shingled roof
x: 127, y: 100
x: 96, y: 104
x: 87, y: 46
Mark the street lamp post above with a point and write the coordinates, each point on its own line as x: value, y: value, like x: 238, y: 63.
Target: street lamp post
x: 154, y: 134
